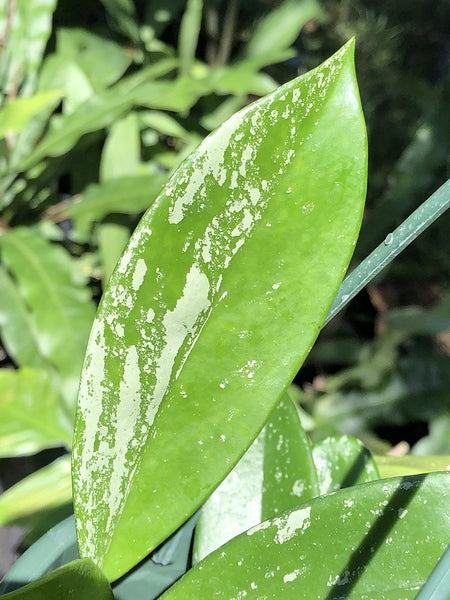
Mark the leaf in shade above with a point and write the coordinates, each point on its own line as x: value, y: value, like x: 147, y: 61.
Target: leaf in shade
x: 276, y: 473
x: 60, y: 305
x: 377, y: 540
x: 41, y: 492
x: 31, y: 416
x: 342, y: 461
x: 80, y: 576
x: 200, y: 330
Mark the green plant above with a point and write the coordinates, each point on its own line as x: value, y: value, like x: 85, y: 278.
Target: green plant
x: 198, y: 336
x: 92, y: 123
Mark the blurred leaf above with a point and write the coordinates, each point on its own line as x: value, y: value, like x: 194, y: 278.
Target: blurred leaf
x: 103, y: 110
x: 279, y: 30
x: 241, y: 79
x: 60, y: 304
x: 189, y: 32
x: 112, y: 241
x: 376, y: 540
x: 276, y: 473
x: 176, y: 309
x: 41, y: 492
x: 343, y: 461
x: 416, y: 320
x: 63, y: 74
x: 438, y: 439
x: 122, y: 150
x: 18, y: 332
x: 127, y: 195
x: 162, y: 123
x: 223, y: 112
x: 15, y: 114
x: 80, y: 575
x: 396, y: 466
x: 21, y: 55
x: 31, y: 416
x: 124, y: 14
x: 100, y: 58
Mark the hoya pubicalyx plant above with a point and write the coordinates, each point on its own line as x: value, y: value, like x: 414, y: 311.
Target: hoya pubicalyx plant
x: 212, y: 309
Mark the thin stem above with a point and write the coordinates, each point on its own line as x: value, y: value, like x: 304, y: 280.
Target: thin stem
x: 391, y: 247
x: 226, y: 41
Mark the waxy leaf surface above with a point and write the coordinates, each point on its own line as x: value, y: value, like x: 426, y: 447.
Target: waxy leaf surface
x: 378, y: 540
x: 212, y: 309
x: 276, y: 473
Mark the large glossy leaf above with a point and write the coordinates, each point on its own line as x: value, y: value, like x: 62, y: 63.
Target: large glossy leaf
x: 31, y: 416
x: 80, y: 579
x: 41, y: 492
x: 276, y: 473
x: 378, y: 540
x: 212, y: 309
x: 60, y: 304
x: 343, y: 461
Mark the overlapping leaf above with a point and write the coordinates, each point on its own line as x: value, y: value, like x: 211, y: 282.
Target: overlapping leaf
x: 213, y: 307
x: 377, y: 540
x: 276, y: 473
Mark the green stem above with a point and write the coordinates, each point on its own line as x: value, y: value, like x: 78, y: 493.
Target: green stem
x: 391, y: 247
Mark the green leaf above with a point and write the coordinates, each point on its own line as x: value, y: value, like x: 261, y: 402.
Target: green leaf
x: 279, y: 29
x: 127, y: 195
x: 378, y: 540
x: 31, y: 25
x: 112, y: 241
x: 394, y: 466
x: 42, y: 491
x: 437, y: 585
x: 163, y: 123
x: 59, y: 73
x: 31, y: 415
x: 18, y: 333
x: 59, y: 302
x: 276, y: 473
x: 101, y: 59
x: 124, y: 14
x: 342, y: 461
x: 122, y: 149
x: 15, y: 114
x: 194, y: 342
x: 80, y: 577
x: 189, y: 32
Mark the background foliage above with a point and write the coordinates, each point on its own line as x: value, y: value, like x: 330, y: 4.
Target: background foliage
x: 101, y: 101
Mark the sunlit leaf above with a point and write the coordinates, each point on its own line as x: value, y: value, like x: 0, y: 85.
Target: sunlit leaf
x: 15, y: 114
x: 200, y: 331
x: 31, y: 416
x: 378, y: 540
x: 54, y: 290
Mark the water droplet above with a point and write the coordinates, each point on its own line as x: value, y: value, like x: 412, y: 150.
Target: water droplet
x: 389, y: 239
